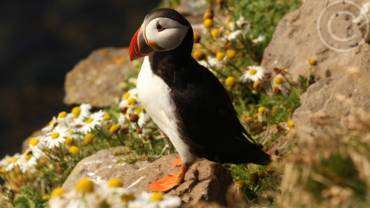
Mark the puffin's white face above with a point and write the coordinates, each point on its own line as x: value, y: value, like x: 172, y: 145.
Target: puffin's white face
x: 164, y: 34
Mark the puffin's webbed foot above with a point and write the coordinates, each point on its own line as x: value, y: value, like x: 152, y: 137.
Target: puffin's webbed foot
x: 171, y: 180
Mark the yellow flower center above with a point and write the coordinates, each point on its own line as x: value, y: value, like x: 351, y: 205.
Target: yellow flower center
x: 291, y: 123
x: 106, y: 117
x: 76, y: 111
x: 33, y: 142
x: 252, y: 71
x: 312, y: 61
x: 88, y: 138
x: 89, y: 120
x: 156, y: 196
x: 126, y: 95
x: 278, y: 80
x: 62, y: 114
x: 85, y: 185
x: 208, y: 23
x: 131, y: 101
x: 198, y: 55
x: 215, y: 33
x: 114, y: 128
x: 57, y: 192
x: 230, y: 81
x: 128, y: 197
x: 138, y: 110
x: 73, y: 150
x: 261, y: 109
x: 69, y: 141
x: 230, y: 53
x: 52, y: 123
x: 55, y: 135
x: 220, y: 56
x: 115, y: 183
x: 28, y: 156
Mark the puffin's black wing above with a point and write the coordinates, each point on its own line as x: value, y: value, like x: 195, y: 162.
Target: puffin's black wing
x: 208, y: 120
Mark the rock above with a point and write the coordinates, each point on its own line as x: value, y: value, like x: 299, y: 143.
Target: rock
x: 192, y: 7
x: 330, y: 102
x: 302, y: 37
x: 4, y: 201
x: 96, y: 80
x: 204, y: 181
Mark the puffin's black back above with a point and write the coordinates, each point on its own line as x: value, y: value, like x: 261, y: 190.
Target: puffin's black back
x: 207, y: 120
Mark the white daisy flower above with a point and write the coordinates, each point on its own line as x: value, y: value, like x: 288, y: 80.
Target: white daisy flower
x: 10, y: 162
x: 234, y: 35
x: 81, y: 113
x: 170, y: 202
x: 143, y: 119
x: 213, y: 62
x: 113, y: 196
x: 122, y: 120
x: 123, y: 104
x: 50, y: 126
x: 259, y: 39
x: 155, y: 200
x: 36, y: 145
x: 28, y: 161
x: 242, y: 22
x: 254, y: 73
x: 56, y: 137
x: 94, y: 120
x: 73, y: 199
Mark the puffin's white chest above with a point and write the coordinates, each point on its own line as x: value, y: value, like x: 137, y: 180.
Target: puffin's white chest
x: 154, y: 94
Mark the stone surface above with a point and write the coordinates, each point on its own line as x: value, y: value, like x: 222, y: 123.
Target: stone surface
x: 297, y: 39
x: 330, y: 101
x: 4, y: 201
x: 204, y: 181
x: 302, y: 44
x: 192, y: 7
x: 96, y: 80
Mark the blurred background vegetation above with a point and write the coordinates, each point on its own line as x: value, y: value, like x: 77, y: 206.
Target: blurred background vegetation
x: 40, y: 41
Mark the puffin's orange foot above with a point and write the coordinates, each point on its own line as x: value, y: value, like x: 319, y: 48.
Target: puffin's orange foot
x: 177, y: 162
x: 168, y: 182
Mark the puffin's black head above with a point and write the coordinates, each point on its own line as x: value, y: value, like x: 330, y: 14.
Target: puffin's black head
x: 163, y: 30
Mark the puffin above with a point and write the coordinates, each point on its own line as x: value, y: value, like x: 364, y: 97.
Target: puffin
x: 185, y: 100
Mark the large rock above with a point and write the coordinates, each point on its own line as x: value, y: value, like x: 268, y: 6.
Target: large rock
x: 4, y: 201
x: 204, y: 181
x: 303, y: 43
x: 331, y: 102
x: 96, y: 80
x: 302, y: 36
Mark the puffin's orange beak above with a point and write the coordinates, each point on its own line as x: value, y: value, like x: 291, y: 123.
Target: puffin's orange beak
x: 138, y: 46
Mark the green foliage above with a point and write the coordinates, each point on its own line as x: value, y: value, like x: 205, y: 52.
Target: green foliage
x: 29, y: 198
x: 170, y: 3
x: 263, y: 15
x: 338, y: 170
x: 281, y: 106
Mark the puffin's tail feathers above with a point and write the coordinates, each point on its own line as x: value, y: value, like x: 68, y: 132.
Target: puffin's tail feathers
x: 246, y: 153
x: 258, y: 156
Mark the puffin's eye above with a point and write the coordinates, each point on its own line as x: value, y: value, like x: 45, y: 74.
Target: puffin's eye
x: 159, y: 27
